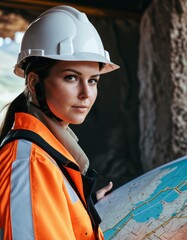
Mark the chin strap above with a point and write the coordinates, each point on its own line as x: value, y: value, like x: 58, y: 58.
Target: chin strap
x: 40, y: 94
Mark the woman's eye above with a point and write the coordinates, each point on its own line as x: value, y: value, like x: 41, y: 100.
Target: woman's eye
x: 93, y: 81
x: 70, y: 78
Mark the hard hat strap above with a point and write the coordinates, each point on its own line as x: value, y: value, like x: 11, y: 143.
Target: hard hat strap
x: 40, y: 94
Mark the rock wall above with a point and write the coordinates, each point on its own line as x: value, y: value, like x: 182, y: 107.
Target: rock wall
x: 163, y: 82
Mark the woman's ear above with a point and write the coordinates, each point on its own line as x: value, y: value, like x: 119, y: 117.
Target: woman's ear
x: 32, y: 79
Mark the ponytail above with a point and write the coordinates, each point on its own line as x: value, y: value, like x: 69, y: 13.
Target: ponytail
x: 19, y: 104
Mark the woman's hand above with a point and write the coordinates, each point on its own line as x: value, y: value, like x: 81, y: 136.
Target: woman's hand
x: 103, y: 191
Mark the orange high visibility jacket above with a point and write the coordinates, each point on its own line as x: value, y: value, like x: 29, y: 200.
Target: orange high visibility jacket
x: 37, y: 202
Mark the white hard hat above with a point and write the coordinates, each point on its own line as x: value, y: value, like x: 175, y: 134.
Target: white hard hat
x: 63, y: 33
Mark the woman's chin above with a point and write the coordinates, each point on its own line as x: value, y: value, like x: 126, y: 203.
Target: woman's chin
x: 78, y: 121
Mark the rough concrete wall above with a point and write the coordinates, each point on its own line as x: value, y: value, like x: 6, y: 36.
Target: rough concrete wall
x: 163, y: 82
x: 179, y: 77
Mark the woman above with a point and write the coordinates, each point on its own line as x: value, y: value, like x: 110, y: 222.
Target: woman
x: 44, y: 196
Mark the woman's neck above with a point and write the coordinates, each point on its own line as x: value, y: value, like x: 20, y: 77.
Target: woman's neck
x: 64, y: 135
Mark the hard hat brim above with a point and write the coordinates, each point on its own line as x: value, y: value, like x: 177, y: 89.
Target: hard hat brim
x: 90, y: 57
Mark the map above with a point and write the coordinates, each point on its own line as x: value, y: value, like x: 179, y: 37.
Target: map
x: 151, y: 207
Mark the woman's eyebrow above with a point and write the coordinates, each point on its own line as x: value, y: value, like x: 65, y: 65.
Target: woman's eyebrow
x: 71, y: 70
x: 95, y: 75
x: 79, y: 73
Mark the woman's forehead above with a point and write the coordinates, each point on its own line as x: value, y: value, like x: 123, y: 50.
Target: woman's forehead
x: 77, y: 66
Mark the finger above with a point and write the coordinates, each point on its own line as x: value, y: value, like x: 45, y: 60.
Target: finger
x: 109, y: 186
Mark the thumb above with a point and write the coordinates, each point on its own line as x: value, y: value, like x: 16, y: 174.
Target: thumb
x: 108, y: 187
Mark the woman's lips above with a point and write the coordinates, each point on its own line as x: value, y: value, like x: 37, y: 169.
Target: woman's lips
x: 80, y: 108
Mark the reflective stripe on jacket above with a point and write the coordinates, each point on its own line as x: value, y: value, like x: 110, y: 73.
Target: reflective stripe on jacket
x: 36, y: 200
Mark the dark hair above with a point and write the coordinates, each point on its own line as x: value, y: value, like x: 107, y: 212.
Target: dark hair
x: 38, y: 65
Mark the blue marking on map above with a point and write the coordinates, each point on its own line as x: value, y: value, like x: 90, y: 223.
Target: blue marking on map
x: 169, y: 189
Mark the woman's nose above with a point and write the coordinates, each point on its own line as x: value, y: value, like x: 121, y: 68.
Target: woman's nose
x: 84, y: 91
